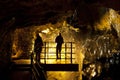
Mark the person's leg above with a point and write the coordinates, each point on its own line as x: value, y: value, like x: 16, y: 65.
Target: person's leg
x: 38, y: 57
x: 57, y: 50
x: 60, y: 50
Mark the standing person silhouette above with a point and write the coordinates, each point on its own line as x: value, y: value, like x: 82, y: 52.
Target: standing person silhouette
x: 59, y: 40
x: 38, y: 47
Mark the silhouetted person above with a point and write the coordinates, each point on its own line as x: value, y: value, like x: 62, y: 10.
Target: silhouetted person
x: 59, y: 41
x: 38, y: 47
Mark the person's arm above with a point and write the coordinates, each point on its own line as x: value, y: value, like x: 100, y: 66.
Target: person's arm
x: 56, y: 39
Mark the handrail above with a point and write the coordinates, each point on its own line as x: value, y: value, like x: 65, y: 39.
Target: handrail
x: 66, y: 46
x: 38, y: 72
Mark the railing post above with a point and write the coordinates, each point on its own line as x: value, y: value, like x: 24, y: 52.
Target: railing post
x: 65, y: 52
x: 71, y: 52
x: 47, y: 54
x: 32, y: 55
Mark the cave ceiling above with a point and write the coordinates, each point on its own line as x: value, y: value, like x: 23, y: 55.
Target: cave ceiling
x: 38, y: 12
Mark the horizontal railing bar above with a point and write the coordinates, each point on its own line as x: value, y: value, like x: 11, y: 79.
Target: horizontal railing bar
x: 55, y: 58
x: 54, y: 42
x: 55, y: 53
x: 55, y: 47
x: 62, y: 47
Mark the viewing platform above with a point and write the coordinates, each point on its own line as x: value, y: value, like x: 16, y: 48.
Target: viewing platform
x: 48, y: 59
x: 67, y: 61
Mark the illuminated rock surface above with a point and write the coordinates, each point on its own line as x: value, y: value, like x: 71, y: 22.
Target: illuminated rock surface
x: 96, y: 25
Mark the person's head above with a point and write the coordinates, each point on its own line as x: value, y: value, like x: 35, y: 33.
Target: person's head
x: 37, y: 35
x: 60, y: 34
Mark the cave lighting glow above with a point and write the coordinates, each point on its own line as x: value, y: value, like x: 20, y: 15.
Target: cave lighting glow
x: 110, y: 17
x: 26, y: 36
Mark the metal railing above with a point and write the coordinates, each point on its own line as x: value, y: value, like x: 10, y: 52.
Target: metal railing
x: 38, y: 73
x: 49, y: 48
